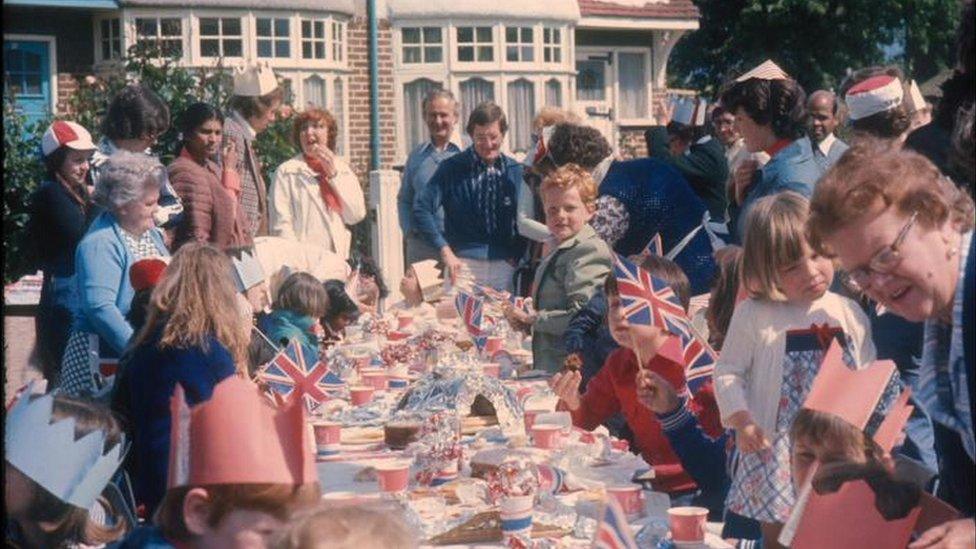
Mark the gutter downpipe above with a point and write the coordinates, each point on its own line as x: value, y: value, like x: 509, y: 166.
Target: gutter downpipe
x: 374, y: 86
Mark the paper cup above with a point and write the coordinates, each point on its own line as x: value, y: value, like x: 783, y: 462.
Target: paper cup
x: 393, y: 475
x: 327, y: 436
x: 687, y: 524
x: 529, y: 417
x: 404, y: 320
x: 493, y: 345
x: 361, y: 394
x: 546, y: 436
x: 516, y: 515
x: 374, y: 377
x: 492, y: 369
x: 630, y: 498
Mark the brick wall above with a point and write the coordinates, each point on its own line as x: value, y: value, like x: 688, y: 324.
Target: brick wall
x: 359, y: 126
x: 67, y: 86
x: 631, y: 143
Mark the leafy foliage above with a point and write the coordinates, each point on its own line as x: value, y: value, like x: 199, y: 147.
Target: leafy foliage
x: 816, y: 41
x: 23, y: 171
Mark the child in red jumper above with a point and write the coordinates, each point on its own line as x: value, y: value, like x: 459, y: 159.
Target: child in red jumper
x: 614, y: 388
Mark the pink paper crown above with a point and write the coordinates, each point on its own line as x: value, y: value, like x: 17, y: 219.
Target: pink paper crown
x: 849, y: 519
x: 853, y: 395
x: 238, y: 437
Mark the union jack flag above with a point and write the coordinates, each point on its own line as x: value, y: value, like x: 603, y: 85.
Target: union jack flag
x: 289, y: 378
x: 654, y: 247
x: 520, y: 303
x: 470, y: 308
x: 613, y: 532
x: 650, y: 301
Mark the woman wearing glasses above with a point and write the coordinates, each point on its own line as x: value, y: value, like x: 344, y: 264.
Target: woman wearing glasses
x: 903, y: 233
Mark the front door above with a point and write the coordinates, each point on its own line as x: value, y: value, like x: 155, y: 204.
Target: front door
x: 594, y: 91
x: 27, y: 77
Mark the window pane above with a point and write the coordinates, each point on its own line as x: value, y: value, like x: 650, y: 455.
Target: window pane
x: 554, y: 95
x: 590, y: 80
x: 546, y: 34
x: 209, y: 48
x: 465, y: 34
x: 208, y: 26
x: 511, y: 53
x: 473, y: 92
x: 319, y: 50
x: 633, y: 90
x: 306, y: 28
x: 264, y: 27
x: 528, y: 54
x: 411, y: 36
x: 320, y: 29
x: 413, y: 98
x: 557, y: 56
x: 282, y: 48
x: 172, y: 27
x: 555, y: 36
x: 115, y: 28
x: 521, y: 109
x: 146, y: 27
x: 432, y: 35
x: 433, y: 54
x: 511, y: 34
x: 485, y: 53
x: 465, y: 53
x: 106, y: 50
x: 281, y: 27
x: 547, y: 55
x: 313, y: 89
x: 231, y: 26
x: 264, y: 48
x: 526, y: 34
x: 306, y: 50
x: 172, y: 47
x: 233, y: 48
x: 105, y: 30
x: 411, y: 54
x: 484, y: 34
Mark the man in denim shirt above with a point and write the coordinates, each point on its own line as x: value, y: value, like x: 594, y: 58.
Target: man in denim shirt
x: 440, y: 114
x: 478, y: 191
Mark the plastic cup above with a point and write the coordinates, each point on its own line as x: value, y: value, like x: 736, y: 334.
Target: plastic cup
x: 545, y: 435
x: 492, y: 369
x: 630, y: 497
x: 327, y: 437
x: 516, y: 515
x: 374, y: 377
x: 393, y: 475
x: 687, y: 524
x: 361, y: 394
x: 529, y: 417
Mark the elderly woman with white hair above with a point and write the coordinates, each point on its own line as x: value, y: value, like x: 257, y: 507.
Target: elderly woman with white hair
x: 128, y: 188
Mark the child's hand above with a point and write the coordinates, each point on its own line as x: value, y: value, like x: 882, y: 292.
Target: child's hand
x: 566, y: 386
x: 655, y: 393
x: 950, y: 535
x: 750, y: 438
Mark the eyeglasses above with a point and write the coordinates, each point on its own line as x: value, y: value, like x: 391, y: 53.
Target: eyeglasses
x: 883, y: 263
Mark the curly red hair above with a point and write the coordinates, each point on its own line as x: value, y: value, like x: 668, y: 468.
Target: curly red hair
x: 315, y: 116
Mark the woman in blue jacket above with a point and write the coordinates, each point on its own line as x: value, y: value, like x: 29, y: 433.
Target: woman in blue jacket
x: 194, y: 336
x: 128, y: 189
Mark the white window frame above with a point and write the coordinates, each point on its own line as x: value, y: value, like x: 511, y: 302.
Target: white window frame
x: 456, y: 44
x: 198, y: 56
x: 648, y: 86
x: 274, y: 38
x: 326, y: 43
x: 52, y: 52
x: 399, y: 44
x: 559, y: 46
x: 133, y: 33
x: 562, y: 91
x: 534, y: 44
x: 343, y: 40
x: 97, y: 33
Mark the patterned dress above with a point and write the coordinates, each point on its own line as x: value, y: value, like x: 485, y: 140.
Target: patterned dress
x: 762, y: 487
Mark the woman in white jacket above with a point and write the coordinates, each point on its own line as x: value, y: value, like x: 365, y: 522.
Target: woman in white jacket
x: 315, y: 194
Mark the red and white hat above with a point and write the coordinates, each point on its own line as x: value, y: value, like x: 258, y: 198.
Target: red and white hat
x: 876, y: 94
x: 62, y: 133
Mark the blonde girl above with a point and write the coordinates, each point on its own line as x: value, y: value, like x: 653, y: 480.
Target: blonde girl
x: 772, y: 352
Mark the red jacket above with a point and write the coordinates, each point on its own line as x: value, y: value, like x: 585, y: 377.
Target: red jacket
x: 614, y: 389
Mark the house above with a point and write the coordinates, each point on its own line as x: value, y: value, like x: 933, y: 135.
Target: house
x: 605, y: 59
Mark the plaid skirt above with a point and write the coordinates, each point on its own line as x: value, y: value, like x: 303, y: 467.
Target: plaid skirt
x: 85, y: 372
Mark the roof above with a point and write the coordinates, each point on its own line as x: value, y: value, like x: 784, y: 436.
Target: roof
x: 550, y: 10
x: 85, y: 4
x: 669, y: 9
x: 337, y: 6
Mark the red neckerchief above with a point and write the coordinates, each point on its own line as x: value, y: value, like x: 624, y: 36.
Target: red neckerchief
x: 778, y: 146
x: 329, y: 196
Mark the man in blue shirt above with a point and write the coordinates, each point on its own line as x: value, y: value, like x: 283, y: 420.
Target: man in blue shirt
x: 478, y: 192
x: 440, y: 114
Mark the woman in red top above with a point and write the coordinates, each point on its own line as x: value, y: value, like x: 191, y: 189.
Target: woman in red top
x: 614, y: 388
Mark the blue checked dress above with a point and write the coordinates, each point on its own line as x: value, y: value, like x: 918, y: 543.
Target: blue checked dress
x: 762, y: 487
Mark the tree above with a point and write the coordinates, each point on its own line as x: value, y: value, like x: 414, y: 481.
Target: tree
x: 816, y: 41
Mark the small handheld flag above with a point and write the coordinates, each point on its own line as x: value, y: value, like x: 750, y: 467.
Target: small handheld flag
x: 470, y: 308
x: 654, y: 247
x: 613, y: 531
x: 288, y: 376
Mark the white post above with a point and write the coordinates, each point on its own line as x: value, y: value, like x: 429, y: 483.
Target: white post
x: 387, y: 239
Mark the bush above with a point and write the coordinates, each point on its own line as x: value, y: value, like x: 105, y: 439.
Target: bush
x: 23, y: 171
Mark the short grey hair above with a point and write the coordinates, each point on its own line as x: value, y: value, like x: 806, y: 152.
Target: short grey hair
x: 439, y: 93
x: 126, y: 177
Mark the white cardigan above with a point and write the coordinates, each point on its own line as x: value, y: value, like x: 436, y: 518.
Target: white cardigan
x: 749, y: 371
x: 297, y: 212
